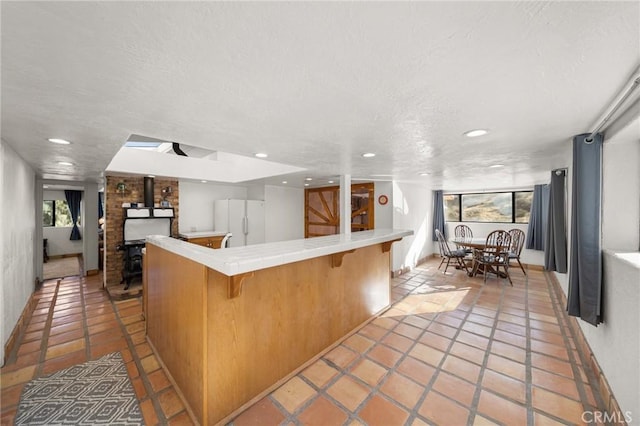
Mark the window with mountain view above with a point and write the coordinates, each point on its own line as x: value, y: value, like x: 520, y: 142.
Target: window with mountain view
x: 498, y: 207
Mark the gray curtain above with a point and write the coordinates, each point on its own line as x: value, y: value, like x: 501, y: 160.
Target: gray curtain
x: 73, y: 201
x: 585, y: 275
x: 438, y: 214
x: 100, y: 204
x: 537, y: 229
x: 555, y: 243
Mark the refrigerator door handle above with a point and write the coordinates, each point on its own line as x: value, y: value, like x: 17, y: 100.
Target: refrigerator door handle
x: 245, y: 225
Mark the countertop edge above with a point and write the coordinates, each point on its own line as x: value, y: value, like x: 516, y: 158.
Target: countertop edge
x: 239, y: 260
x: 202, y: 234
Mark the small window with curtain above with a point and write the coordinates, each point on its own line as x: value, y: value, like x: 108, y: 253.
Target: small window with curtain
x: 56, y: 213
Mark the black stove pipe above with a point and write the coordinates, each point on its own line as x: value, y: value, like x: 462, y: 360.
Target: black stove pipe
x: 148, y: 191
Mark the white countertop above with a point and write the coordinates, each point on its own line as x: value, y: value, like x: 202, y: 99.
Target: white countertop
x: 202, y: 234
x: 238, y: 260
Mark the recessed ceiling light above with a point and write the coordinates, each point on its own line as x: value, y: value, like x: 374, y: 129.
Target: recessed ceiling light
x: 306, y: 184
x: 330, y: 181
x: 59, y: 141
x: 151, y: 176
x: 284, y: 181
x: 425, y: 174
x: 495, y: 166
x: 261, y: 155
x: 308, y: 179
x: 203, y: 181
x: 45, y: 186
x: 475, y: 133
x: 65, y: 163
x: 368, y: 155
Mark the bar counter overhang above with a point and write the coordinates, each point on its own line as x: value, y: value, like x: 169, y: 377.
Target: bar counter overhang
x: 230, y: 325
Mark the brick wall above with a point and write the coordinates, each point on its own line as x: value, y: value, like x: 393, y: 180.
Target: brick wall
x: 114, y: 216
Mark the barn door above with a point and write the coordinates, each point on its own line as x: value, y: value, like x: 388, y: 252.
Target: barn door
x: 322, y: 209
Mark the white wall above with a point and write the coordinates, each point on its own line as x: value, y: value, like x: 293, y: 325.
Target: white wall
x: 58, y: 242
x: 480, y: 230
x: 412, y: 209
x: 383, y: 215
x: 616, y: 341
x: 17, y: 269
x: 284, y: 213
x: 620, y: 195
x: 196, y: 203
x: 90, y: 253
x: 256, y: 192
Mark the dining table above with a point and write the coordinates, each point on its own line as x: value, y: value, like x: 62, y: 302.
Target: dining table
x: 478, y: 243
x: 473, y: 243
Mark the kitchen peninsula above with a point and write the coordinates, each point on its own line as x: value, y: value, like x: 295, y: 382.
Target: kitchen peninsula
x: 231, y: 324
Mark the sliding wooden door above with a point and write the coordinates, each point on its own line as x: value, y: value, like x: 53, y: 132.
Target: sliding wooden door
x: 322, y: 209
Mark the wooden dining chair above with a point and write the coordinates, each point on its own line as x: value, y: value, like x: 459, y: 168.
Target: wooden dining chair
x: 517, y: 243
x: 448, y: 254
x: 463, y: 233
x: 494, y: 255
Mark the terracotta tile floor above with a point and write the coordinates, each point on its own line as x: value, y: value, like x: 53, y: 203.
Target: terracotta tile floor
x: 75, y: 321
x: 450, y: 351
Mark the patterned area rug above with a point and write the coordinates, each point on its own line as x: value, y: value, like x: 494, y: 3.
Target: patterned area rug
x: 96, y: 392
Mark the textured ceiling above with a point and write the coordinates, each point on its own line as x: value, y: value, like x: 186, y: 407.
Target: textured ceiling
x: 315, y: 85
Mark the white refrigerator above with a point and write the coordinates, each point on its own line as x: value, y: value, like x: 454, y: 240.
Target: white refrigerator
x: 243, y: 218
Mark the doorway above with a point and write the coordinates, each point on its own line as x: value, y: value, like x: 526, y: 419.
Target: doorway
x: 322, y: 209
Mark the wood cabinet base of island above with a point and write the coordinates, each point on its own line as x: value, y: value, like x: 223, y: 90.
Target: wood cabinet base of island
x: 226, y: 342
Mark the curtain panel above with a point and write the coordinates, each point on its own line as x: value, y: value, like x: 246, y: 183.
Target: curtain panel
x: 555, y: 243
x: 438, y: 214
x: 100, y: 204
x: 585, y: 274
x: 537, y: 229
x: 74, y: 199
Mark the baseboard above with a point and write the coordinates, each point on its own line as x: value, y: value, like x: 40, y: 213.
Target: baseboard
x: 533, y: 267
x: 20, y: 326
x: 399, y: 272
x: 606, y: 393
x: 61, y: 256
x: 91, y: 272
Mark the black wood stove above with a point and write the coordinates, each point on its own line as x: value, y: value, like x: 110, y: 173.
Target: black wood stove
x: 138, y: 223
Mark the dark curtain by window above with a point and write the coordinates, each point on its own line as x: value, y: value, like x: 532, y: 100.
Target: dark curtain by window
x: 585, y: 274
x: 438, y: 214
x: 73, y: 201
x: 555, y: 243
x: 100, y: 204
x: 537, y: 229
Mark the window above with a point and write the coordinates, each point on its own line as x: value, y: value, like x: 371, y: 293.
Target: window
x: 499, y: 207
x: 523, y: 202
x: 452, y: 207
x: 495, y: 207
x: 56, y: 213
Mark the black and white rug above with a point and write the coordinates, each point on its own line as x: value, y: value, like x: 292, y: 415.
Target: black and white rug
x: 96, y: 392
